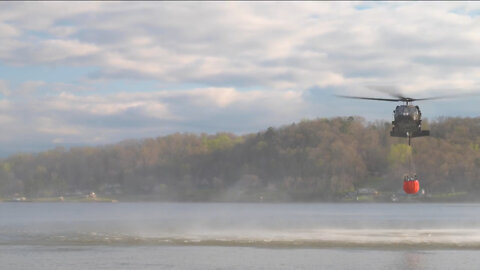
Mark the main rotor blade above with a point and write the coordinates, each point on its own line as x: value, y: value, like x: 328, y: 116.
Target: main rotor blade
x: 390, y: 90
x: 369, y: 98
x: 445, y: 97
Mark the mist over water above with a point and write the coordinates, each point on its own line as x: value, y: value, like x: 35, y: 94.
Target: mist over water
x: 393, y: 226
x: 133, y: 234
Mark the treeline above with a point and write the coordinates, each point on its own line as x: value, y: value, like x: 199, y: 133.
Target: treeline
x: 320, y: 159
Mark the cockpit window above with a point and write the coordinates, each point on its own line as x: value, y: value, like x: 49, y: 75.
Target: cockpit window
x: 406, y: 110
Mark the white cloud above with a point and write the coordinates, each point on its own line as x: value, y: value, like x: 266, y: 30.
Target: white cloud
x: 7, y: 31
x: 271, y: 45
x: 28, y: 88
x: 74, y: 119
x: 42, y: 15
x: 110, y: 104
x: 4, y: 89
x: 50, y: 126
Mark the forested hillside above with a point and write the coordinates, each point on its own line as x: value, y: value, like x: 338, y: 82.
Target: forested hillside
x: 319, y: 159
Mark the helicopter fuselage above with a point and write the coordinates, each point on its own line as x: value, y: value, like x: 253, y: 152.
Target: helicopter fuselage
x: 407, y: 122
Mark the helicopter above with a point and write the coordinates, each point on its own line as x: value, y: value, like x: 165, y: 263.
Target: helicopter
x: 407, y: 122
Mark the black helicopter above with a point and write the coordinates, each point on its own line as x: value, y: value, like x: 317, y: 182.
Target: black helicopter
x: 407, y: 122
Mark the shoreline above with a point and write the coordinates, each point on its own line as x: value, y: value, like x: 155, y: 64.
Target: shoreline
x: 364, y: 199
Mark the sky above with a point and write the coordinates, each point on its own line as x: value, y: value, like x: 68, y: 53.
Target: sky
x: 95, y: 73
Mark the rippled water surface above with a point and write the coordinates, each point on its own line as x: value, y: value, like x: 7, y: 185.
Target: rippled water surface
x: 239, y: 236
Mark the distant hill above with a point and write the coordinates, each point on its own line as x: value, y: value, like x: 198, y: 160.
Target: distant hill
x: 321, y: 159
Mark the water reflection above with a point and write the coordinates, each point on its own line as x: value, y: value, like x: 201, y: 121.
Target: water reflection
x: 412, y: 260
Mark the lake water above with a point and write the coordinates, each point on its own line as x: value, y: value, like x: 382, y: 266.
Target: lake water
x: 239, y: 236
